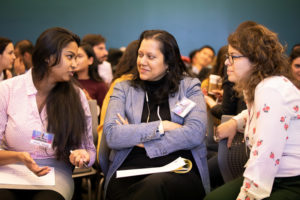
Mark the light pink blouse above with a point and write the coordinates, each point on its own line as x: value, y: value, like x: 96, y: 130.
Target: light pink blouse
x: 19, y: 116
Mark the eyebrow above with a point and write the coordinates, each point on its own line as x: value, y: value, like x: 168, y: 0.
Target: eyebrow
x: 70, y: 52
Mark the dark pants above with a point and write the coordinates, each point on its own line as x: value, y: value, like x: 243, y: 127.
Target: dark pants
x: 12, y: 194
x: 162, y: 186
x: 283, y: 189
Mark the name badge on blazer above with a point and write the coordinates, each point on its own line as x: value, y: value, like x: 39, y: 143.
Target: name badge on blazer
x: 183, y: 107
x: 42, y: 138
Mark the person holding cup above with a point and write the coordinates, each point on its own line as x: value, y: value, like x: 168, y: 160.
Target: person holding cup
x: 260, y: 69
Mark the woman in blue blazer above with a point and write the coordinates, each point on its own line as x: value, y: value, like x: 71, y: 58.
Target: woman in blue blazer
x: 142, y: 129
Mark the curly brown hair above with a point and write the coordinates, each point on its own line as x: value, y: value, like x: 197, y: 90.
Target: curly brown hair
x: 263, y: 49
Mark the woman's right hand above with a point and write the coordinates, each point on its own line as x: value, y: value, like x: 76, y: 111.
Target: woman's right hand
x: 227, y: 130
x: 169, y: 126
x: 31, y: 164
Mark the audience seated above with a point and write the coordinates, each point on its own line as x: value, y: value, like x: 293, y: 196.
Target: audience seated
x: 97, y: 41
x: 23, y: 52
x: 7, y: 57
x: 201, y: 60
x: 231, y: 103
x: 87, y: 75
x: 218, y: 70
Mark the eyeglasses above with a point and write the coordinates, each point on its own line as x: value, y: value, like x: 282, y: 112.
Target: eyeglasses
x: 231, y: 58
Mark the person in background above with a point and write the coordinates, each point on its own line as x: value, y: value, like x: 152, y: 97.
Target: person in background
x: 259, y: 68
x: 231, y: 103
x: 114, y: 56
x: 45, y: 101
x: 218, y: 69
x: 201, y: 59
x: 143, y: 131
x: 7, y: 57
x: 97, y: 42
x: 295, y: 62
x: 87, y: 75
x: 23, y: 52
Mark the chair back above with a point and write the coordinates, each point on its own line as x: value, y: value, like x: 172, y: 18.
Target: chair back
x: 94, y: 113
x: 231, y: 161
x: 104, y: 152
x: 211, y: 144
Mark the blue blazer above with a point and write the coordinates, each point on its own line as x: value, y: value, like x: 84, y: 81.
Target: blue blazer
x: 118, y: 140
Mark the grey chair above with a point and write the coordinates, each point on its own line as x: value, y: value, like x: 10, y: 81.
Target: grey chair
x: 212, y: 145
x: 231, y: 161
x: 87, y: 173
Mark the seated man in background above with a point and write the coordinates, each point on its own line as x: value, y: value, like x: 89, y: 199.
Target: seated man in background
x: 23, y: 52
x: 97, y: 41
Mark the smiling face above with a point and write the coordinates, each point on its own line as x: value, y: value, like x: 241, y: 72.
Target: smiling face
x: 7, y: 57
x: 65, y: 68
x: 150, y: 61
x: 240, y: 66
x: 296, y: 68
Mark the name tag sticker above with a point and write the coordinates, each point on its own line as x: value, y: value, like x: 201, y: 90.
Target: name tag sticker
x: 183, y: 107
x: 42, y: 138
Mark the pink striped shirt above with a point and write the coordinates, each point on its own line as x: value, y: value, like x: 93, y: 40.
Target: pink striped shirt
x: 19, y: 116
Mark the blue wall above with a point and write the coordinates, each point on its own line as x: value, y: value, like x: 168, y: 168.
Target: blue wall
x: 193, y: 22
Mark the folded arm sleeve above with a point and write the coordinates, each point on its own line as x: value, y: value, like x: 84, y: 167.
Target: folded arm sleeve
x: 190, y: 135
x: 125, y: 136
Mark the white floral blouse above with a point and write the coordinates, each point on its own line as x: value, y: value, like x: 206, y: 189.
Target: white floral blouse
x: 272, y: 132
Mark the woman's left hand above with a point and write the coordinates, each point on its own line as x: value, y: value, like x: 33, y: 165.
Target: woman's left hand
x: 79, y: 158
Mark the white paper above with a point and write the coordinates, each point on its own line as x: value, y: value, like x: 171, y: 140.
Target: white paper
x: 19, y: 174
x: 179, y: 162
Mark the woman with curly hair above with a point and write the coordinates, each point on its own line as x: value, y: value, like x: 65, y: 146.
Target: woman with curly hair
x: 258, y: 66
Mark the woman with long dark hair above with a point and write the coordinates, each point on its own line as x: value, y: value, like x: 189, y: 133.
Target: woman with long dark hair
x: 87, y: 74
x: 143, y: 130
x: 45, y: 119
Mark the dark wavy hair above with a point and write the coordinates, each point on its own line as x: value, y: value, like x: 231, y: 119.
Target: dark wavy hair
x: 172, y: 58
x: 218, y: 68
x: 3, y: 43
x: 66, y: 117
x: 127, y: 63
x: 93, y: 68
x: 263, y: 49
